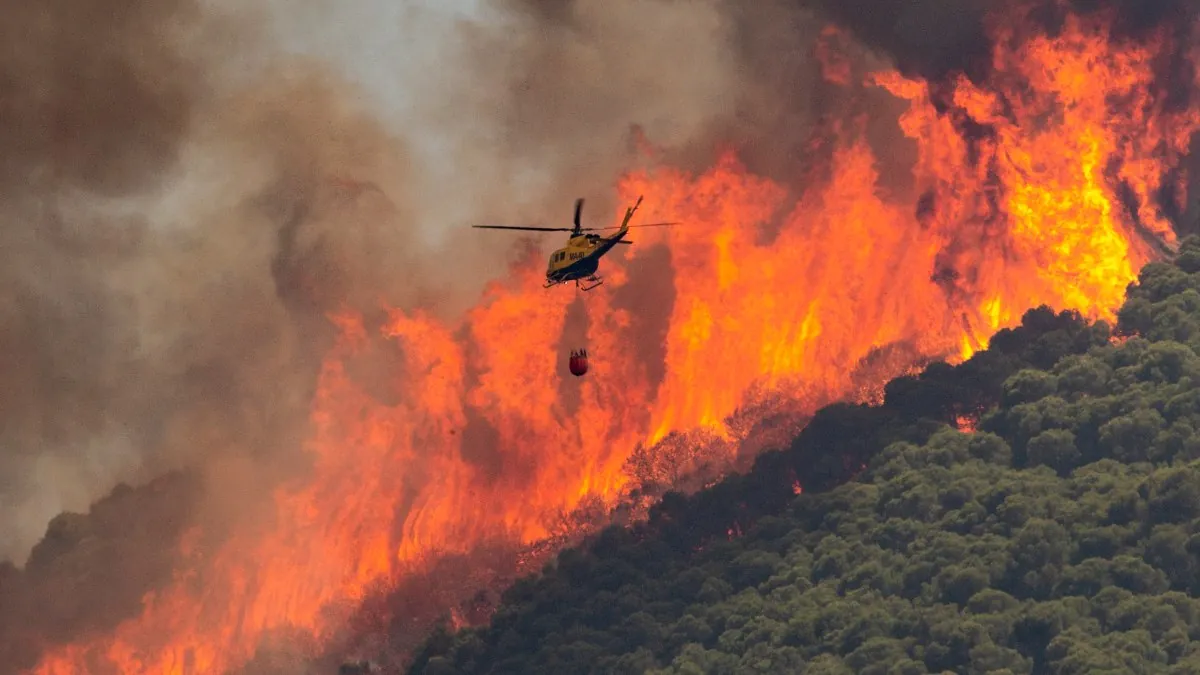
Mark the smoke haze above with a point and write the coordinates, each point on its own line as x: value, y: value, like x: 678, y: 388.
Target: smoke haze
x: 96, y: 101
x: 182, y: 206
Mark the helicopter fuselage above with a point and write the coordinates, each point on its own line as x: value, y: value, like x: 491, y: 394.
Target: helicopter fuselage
x: 580, y: 258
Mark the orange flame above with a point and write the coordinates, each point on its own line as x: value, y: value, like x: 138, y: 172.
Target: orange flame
x: 1018, y: 204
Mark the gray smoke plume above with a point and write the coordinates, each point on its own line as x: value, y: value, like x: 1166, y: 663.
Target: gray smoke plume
x: 171, y: 240
x: 95, y: 102
x: 175, y: 226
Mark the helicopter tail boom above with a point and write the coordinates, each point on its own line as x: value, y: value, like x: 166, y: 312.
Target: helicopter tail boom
x: 628, y: 215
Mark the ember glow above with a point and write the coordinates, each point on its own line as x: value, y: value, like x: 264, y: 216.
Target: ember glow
x: 1021, y: 196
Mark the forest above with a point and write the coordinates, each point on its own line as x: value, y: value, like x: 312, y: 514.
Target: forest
x: 1035, y: 509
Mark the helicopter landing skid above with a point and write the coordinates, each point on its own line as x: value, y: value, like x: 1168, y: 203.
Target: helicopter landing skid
x: 594, y: 278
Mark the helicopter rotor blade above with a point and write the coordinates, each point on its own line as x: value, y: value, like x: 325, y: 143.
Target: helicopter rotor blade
x: 632, y: 226
x: 527, y: 229
x: 578, y: 212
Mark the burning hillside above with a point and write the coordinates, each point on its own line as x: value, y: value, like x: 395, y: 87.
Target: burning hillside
x: 1050, y: 178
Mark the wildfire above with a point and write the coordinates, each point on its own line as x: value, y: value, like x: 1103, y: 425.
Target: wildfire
x: 1020, y: 192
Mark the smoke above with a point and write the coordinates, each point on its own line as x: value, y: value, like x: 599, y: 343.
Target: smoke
x: 927, y: 38
x: 95, y: 101
x: 175, y: 228
x: 172, y: 238
x: 933, y: 39
x: 175, y: 225
x: 563, y: 87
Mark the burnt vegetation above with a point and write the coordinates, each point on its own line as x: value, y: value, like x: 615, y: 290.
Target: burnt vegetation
x: 1035, y: 509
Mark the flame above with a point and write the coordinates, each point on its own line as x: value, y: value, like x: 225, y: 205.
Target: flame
x: 779, y: 294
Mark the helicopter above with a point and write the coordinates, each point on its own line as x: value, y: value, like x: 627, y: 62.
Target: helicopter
x: 580, y: 258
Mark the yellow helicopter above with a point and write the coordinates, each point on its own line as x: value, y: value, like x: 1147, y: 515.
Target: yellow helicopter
x: 580, y: 258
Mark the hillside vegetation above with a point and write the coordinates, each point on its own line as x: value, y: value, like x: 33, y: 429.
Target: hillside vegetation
x: 1035, y: 509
